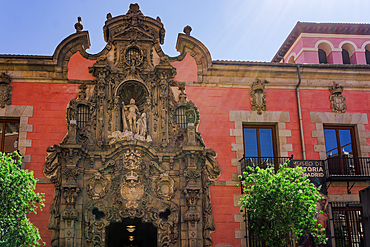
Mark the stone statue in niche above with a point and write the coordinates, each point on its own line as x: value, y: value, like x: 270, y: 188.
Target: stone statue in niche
x: 141, y: 125
x: 133, y: 128
x: 129, y: 122
x: 71, y: 114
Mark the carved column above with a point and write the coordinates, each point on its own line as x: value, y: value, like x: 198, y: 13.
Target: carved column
x: 192, y: 217
x: 70, y: 191
x: 116, y: 115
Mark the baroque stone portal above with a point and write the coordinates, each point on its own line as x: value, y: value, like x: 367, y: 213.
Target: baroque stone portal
x: 126, y: 158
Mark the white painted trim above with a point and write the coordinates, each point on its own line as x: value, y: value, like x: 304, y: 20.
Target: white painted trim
x: 306, y: 49
x: 323, y: 35
x: 349, y: 42
x: 326, y: 42
x: 330, y: 35
x: 292, y: 46
x: 364, y: 45
x: 292, y: 55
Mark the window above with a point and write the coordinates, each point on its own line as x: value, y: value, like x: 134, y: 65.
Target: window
x: 347, y: 222
x: 339, y: 141
x: 260, y: 146
x: 180, y: 115
x: 322, y: 56
x: 83, y: 116
x: 341, y: 151
x: 9, y: 130
x: 367, y: 54
x: 345, y: 57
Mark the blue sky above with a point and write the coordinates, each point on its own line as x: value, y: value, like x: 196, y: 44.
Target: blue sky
x: 248, y: 30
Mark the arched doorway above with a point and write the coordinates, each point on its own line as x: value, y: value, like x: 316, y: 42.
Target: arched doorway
x: 131, y: 233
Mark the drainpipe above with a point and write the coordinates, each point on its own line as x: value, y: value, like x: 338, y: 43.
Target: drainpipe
x: 300, y: 112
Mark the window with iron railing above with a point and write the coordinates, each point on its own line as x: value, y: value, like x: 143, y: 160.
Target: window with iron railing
x: 260, y: 146
x: 342, y: 158
x: 180, y: 115
x: 83, y: 115
x: 347, y: 223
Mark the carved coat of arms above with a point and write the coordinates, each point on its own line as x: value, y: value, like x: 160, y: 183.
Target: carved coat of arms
x: 258, y: 96
x: 5, y: 90
x: 337, y: 99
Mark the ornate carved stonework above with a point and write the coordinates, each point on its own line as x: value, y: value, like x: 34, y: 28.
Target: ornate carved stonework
x: 132, y: 190
x: 165, y: 187
x: 125, y: 155
x: 258, y: 96
x: 5, y: 89
x: 97, y: 186
x: 337, y: 99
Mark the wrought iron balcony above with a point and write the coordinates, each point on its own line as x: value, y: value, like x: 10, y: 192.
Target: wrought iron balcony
x: 347, y: 168
x: 335, y: 168
x: 262, y: 162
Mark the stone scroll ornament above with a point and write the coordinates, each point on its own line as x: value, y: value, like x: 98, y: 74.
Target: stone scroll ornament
x: 5, y: 89
x: 258, y: 96
x: 337, y: 99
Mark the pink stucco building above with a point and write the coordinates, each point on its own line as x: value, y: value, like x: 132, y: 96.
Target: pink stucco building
x: 336, y: 42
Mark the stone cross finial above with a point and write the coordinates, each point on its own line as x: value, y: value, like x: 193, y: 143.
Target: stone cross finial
x: 78, y: 25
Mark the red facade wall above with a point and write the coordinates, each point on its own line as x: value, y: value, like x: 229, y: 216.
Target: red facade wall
x: 49, y: 127
x: 186, y: 69
x: 78, y: 67
x: 214, y: 104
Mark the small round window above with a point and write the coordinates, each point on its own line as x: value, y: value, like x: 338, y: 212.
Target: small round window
x: 180, y: 115
x: 133, y: 56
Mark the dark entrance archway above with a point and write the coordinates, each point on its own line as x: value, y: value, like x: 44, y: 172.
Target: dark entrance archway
x: 131, y: 233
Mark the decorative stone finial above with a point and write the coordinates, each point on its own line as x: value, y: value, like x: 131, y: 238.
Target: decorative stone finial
x: 109, y: 16
x: 78, y: 25
x: 187, y: 30
x: 134, y: 9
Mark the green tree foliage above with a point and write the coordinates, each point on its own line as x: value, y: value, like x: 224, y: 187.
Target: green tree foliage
x: 17, y: 199
x: 281, y: 206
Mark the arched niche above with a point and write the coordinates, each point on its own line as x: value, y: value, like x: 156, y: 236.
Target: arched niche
x: 133, y: 89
